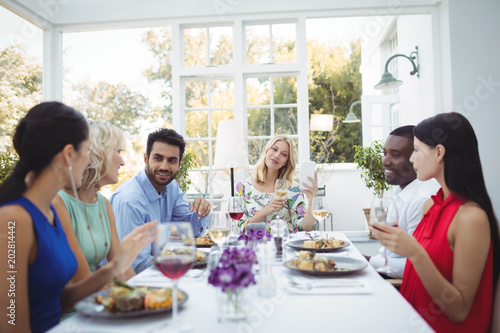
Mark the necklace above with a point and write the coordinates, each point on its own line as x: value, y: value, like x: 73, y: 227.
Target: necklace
x: 92, y: 236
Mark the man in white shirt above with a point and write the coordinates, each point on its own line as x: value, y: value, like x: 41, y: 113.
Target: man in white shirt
x: 410, y: 193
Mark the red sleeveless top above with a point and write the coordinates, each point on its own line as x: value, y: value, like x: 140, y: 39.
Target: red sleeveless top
x: 433, y: 236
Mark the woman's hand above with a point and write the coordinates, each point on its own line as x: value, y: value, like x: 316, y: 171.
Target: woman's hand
x: 274, y: 206
x: 311, y: 191
x: 395, y: 239
x: 132, y: 244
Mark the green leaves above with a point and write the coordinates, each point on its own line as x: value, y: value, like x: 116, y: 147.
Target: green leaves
x: 369, y: 159
x: 7, y: 163
x: 182, y: 178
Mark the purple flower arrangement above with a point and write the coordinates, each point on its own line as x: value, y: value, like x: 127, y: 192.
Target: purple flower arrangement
x: 234, y: 269
x: 254, y: 235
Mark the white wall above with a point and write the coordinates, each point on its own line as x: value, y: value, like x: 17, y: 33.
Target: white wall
x: 346, y: 195
x: 474, y: 38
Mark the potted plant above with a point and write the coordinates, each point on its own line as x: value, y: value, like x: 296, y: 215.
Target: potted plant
x: 182, y: 178
x: 369, y: 160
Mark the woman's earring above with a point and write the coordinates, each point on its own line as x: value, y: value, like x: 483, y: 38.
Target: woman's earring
x: 73, y: 185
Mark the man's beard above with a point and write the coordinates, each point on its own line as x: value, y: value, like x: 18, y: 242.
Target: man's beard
x: 154, y: 178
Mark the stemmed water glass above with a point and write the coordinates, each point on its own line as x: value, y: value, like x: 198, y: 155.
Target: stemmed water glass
x: 384, y: 210
x: 235, y: 208
x: 174, y: 251
x: 219, y: 228
x: 319, y: 209
x: 281, y: 188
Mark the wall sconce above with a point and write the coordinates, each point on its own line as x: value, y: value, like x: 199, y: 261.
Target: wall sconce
x: 388, y: 81
x: 321, y: 122
x: 351, y: 117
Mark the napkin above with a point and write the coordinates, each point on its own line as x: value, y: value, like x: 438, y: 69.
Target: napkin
x: 336, y: 287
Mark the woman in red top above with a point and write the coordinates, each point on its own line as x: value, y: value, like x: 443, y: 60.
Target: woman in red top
x: 454, y: 252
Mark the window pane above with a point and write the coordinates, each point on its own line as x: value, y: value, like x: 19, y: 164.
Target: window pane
x: 285, y: 90
x: 196, y: 94
x: 295, y: 149
x: 255, y: 147
x: 200, y: 150
x: 257, y: 44
x: 259, y: 122
x: 258, y: 91
x: 285, y: 121
x: 195, y: 47
x: 284, y: 36
x: 221, y: 45
x: 220, y: 115
x: 197, y: 124
x: 222, y: 93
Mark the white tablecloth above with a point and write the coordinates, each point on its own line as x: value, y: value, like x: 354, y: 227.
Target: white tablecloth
x: 382, y: 309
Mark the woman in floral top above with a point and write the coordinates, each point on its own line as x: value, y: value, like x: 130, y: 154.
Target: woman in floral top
x: 261, y: 204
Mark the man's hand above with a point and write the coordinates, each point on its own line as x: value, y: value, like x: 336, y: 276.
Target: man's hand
x: 201, y: 206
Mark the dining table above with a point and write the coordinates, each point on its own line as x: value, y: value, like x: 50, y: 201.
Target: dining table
x: 367, y: 303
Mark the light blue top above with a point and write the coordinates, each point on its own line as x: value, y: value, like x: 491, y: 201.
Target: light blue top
x: 136, y: 202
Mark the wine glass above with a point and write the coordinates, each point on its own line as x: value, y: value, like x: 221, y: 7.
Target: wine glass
x: 219, y: 227
x: 384, y: 210
x: 235, y: 208
x: 174, y: 251
x: 319, y: 209
x: 281, y: 189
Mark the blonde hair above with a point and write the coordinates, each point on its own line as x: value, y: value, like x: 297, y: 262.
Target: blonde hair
x: 286, y: 172
x: 105, y: 140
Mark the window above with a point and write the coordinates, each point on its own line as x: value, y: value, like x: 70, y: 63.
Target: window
x: 208, y: 46
x: 271, y: 109
x: 207, y: 101
x: 270, y: 43
x: 21, y: 72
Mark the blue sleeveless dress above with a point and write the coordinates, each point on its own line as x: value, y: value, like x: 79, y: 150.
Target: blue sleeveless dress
x: 54, y: 265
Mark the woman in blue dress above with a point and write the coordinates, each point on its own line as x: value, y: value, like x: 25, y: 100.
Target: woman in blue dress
x: 53, y: 148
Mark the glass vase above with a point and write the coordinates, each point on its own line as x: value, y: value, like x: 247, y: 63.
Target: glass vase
x: 234, y: 305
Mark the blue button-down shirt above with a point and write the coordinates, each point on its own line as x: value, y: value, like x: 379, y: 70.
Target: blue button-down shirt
x: 136, y: 202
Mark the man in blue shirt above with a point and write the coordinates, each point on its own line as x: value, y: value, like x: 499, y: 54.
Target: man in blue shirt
x: 154, y: 195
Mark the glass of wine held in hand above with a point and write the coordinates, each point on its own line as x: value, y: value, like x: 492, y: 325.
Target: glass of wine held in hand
x: 281, y: 188
x: 175, y: 251
x: 384, y: 210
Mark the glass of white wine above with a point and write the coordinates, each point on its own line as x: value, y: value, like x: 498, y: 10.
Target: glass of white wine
x: 384, y: 210
x: 281, y: 188
x: 319, y: 209
x: 219, y: 228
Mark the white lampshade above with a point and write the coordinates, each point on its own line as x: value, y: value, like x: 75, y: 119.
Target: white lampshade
x: 321, y: 122
x: 231, y: 150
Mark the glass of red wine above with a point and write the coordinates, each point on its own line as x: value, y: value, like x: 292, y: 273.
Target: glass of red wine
x: 385, y: 210
x: 175, y: 251
x: 236, y: 208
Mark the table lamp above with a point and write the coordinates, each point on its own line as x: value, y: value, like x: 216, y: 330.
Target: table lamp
x: 231, y: 151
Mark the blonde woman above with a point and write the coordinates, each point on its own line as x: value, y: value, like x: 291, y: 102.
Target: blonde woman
x: 277, y: 161
x: 88, y: 220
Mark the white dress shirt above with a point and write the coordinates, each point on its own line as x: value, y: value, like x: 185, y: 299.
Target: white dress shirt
x: 410, y: 202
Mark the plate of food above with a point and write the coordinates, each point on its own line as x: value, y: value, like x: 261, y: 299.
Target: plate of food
x: 122, y: 300
x: 312, y: 264
x: 200, y: 260
x: 318, y: 245
x: 203, y: 241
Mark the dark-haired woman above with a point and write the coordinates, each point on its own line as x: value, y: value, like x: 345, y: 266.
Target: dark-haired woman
x: 53, y: 148
x: 453, y: 257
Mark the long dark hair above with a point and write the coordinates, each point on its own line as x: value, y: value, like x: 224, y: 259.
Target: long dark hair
x: 39, y: 136
x: 463, y: 173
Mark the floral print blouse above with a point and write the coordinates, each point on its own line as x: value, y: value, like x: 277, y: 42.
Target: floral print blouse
x: 293, y: 212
